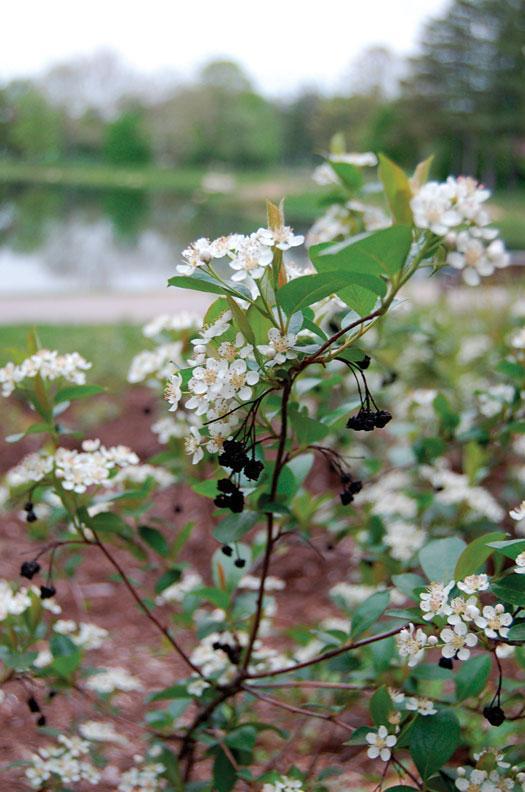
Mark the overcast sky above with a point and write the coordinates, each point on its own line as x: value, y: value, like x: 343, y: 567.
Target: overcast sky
x: 282, y: 43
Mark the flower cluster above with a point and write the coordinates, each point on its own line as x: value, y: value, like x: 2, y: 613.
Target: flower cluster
x: 455, y: 210
x: 110, y: 680
x: 248, y: 256
x: 145, y: 777
x: 47, y: 364
x: 65, y: 763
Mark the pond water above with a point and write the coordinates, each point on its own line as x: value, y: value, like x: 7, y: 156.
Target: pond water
x: 60, y: 241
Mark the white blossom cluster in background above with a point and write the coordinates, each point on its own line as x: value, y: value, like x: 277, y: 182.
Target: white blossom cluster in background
x: 112, y: 680
x: 350, y: 217
x: 456, y: 210
x: 77, y: 470
x: 284, y: 784
x: 49, y: 365
x: 155, y: 365
x: 65, y: 762
x: 467, y: 618
x: 144, y: 777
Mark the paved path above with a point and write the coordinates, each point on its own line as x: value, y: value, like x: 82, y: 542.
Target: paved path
x: 98, y: 308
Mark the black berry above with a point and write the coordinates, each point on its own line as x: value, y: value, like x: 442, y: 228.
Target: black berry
x: 33, y: 704
x: 31, y: 517
x: 494, y: 715
x: 240, y: 562
x: 446, y: 662
x: 46, y: 592
x: 41, y: 721
x: 227, y: 550
x: 253, y: 469
x: 29, y: 569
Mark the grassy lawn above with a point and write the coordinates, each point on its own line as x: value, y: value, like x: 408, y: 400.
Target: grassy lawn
x: 109, y: 347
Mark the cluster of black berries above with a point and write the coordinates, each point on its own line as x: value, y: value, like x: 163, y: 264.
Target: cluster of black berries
x: 31, y: 568
x: 34, y: 707
x: 494, y: 714
x: 228, y: 551
x: 234, y: 456
x: 230, y: 496
x: 233, y: 652
x: 350, y: 488
x: 30, y: 512
x: 367, y: 420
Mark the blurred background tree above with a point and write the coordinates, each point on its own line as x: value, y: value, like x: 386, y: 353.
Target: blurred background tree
x: 462, y: 97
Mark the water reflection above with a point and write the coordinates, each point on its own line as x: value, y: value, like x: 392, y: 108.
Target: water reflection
x: 61, y: 240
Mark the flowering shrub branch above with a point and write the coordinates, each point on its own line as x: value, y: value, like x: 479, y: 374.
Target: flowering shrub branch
x: 274, y: 387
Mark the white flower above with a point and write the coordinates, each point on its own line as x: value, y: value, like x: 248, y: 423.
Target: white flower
x: 192, y: 445
x: 112, y: 679
x: 433, y: 208
x: 33, y: 467
x: 474, y: 583
x: 517, y: 339
x: 251, y: 260
x: 281, y: 347
x: 412, y: 643
x: 476, y: 781
x: 12, y: 603
x: 434, y: 601
x: 324, y: 174
x: 458, y: 642
x: 282, y: 238
x: 156, y: 364
x: 49, y: 365
x: 361, y: 159
x: 177, y: 591
x: 100, y: 731
x: 173, y: 393
x: 270, y: 584
x: 403, y: 538
x: 462, y: 609
x: 519, y: 512
x: 493, y: 400
x: 214, y: 330
x: 519, y: 569
x: 494, y: 621
x: 142, y: 779
x: 239, y: 381
x: 424, y: 706
x: 196, y: 255
x: 284, y: 784
x: 181, y: 321
x: 474, y: 259
x: 380, y: 743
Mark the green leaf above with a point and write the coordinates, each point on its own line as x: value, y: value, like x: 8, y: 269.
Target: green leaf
x: 241, y: 319
x: 77, y: 392
x: 307, y: 429
x: 407, y: 583
x: 154, y: 539
x: 422, y: 172
x: 472, y: 677
x: 380, y: 706
x: 350, y: 175
x: 167, y: 579
x: 224, y: 774
x: 433, y: 740
x: 172, y: 692
x: 308, y: 289
x: 197, y: 282
x: 439, y: 558
x: 397, y: 190
x: 108, y: 522
x: 517, y: 632
x: 510, y: 548
x: 510, y: 589
x: 66, y: 656
x: 475, y: 554
x: 243, y: 738
x: 36, y: 428
x: 369, y: 612
x: 215, y: 595
x: 226, y: 575
x: 381, y: 252
x: 235, y: 526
